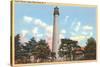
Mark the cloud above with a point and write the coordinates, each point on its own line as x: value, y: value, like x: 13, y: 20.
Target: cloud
x: 84, y: 32
x: 82, y: 37
x: 73, y: 23
x: 61, y: 36
x: 63, y: 31
x: 39, y: 35
x: 27, y: 19
x: 77, y: 27
x: 24, y: 33
x: 35, y: 31
x: 49, y: 29
x: 87, y: 28
x: 36, y: 34
x: 48, y: 34
x: 73, y: 33
x: 40, y: 24
x: 90, y: 34
x: 78, y: 38
x: 23, y: 38
x: 66, y: 18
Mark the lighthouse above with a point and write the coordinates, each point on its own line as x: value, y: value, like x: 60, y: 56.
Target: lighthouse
x: 55, y: 40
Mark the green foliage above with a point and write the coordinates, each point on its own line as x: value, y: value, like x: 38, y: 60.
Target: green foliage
x: 67, y: 48
x: 40, y: 50
x: 30, y: 46
x: 19, y: 50
x: 90, y: 49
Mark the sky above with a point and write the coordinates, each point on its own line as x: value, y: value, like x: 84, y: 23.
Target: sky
x: 36, y: 20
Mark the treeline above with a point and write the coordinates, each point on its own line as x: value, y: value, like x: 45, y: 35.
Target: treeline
x: 69, y: 50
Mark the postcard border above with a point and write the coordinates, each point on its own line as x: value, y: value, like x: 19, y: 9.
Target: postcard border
x: 53, y: 4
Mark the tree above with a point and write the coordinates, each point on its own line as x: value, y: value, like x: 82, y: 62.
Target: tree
x: 53, y: 56
x: 17, y: 47
x: 42, y: 50
x: 67, y: 48
x: 90, y: 49
x: 19, y: 51
x: 30, y: 48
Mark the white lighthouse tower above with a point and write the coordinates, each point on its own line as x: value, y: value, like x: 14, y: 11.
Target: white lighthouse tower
x: 55, y: 42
